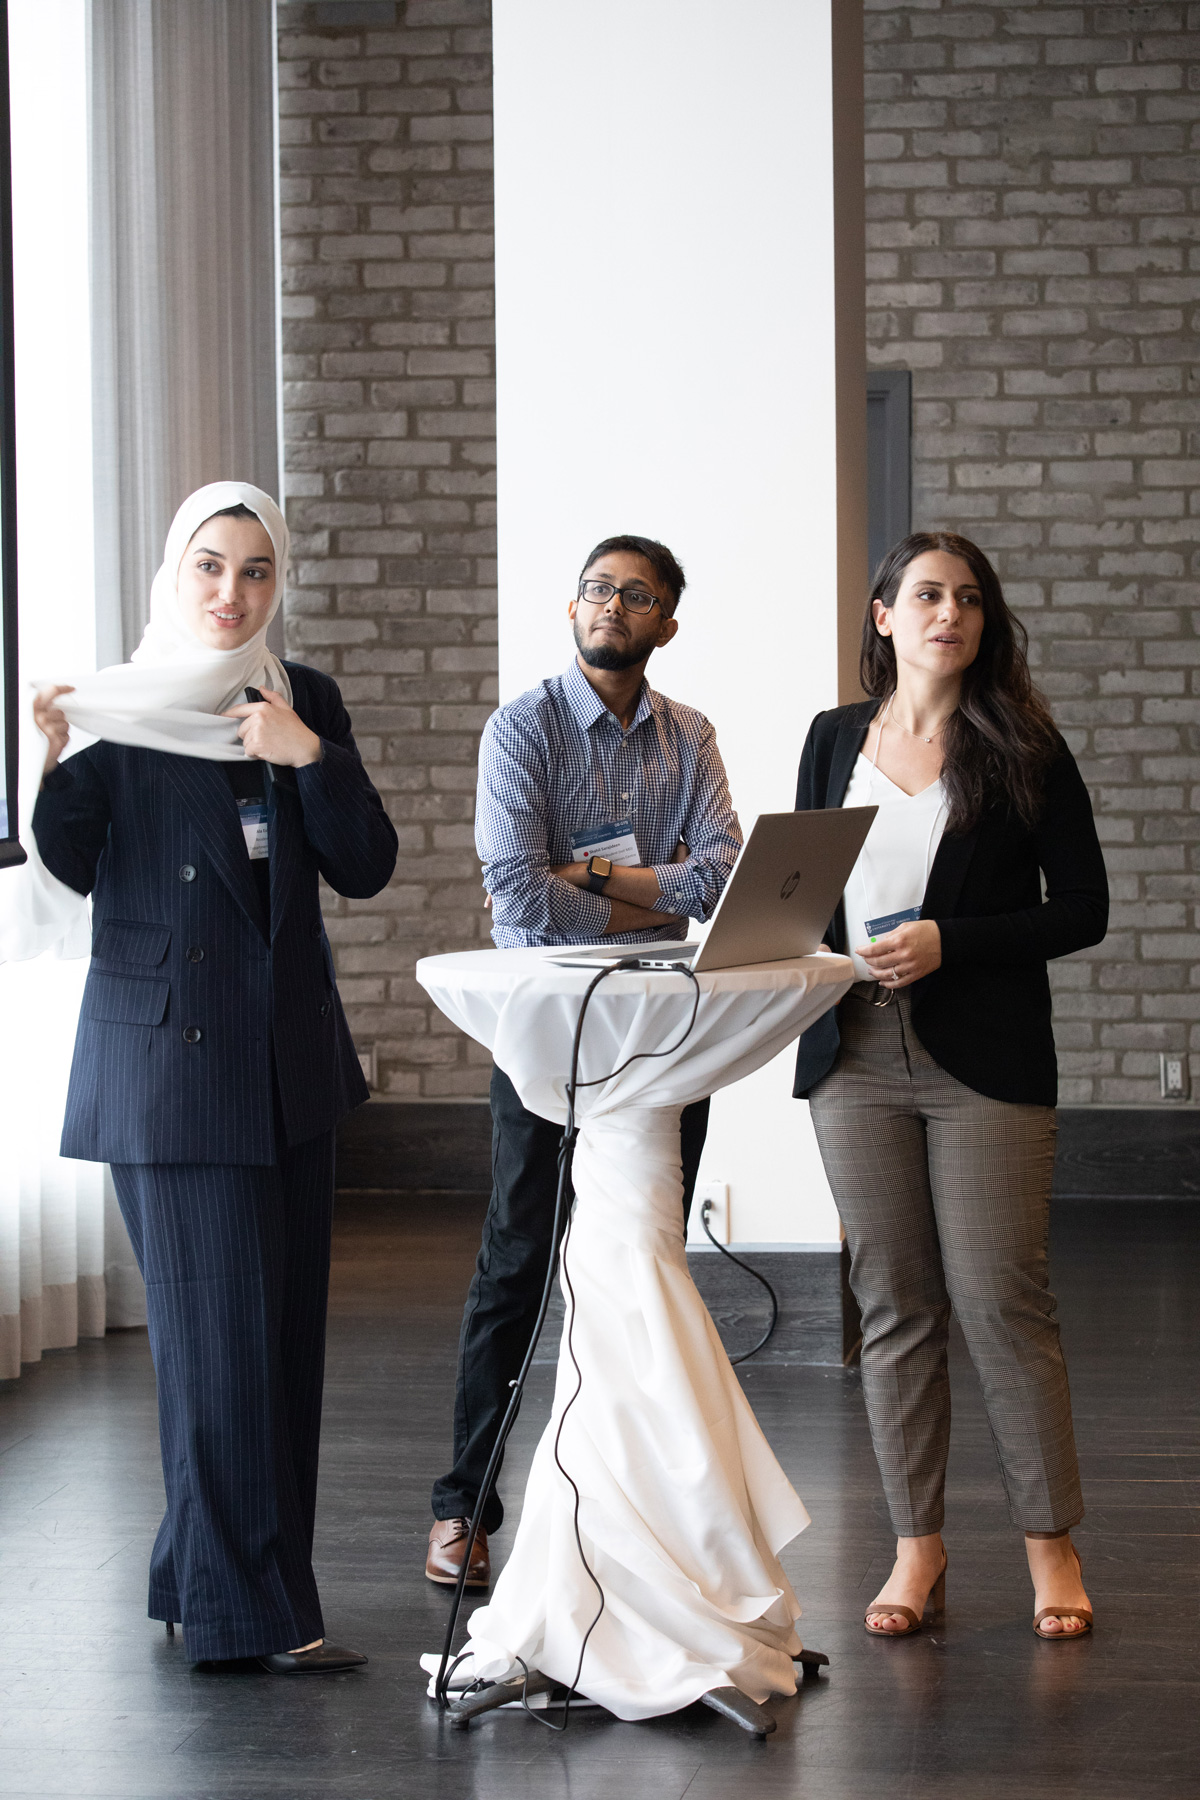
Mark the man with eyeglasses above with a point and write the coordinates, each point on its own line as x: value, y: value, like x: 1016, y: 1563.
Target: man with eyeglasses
x: 603, y: 814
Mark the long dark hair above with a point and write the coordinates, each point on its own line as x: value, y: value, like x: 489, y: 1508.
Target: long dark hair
x: 997, y: 744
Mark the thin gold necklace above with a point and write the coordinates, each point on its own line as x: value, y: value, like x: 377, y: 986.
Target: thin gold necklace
x: 913, y: 734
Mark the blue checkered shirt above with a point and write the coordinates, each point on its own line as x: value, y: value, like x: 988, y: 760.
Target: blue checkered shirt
x: 556, y: 761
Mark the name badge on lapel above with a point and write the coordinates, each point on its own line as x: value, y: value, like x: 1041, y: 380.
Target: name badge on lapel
x: 877, y: 928
x: 614, y: 840
x: 252, y: 816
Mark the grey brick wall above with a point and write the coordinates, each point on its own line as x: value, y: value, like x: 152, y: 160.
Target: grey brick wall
x: 1034, y: 257
x: 390, y: 455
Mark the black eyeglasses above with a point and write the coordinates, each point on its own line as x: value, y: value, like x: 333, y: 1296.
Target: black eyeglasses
x: 634, y: 600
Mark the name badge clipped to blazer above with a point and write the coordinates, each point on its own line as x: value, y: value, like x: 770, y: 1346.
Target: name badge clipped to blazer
x: 877, y: 928
x: 252, y: 816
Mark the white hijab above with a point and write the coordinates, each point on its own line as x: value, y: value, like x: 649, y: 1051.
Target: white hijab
x: 171, y: 693
x: 168, y: 696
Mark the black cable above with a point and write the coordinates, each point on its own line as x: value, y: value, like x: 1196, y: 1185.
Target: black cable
x: 746, y: 1354
x: 445, y: 1668
x: 638, y: 1054
x: 570, y: 1480
x: 566, y: 1150
x: 573, y: 1086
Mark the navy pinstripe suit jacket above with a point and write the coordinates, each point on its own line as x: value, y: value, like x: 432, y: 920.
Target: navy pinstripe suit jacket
x: 186, y: 998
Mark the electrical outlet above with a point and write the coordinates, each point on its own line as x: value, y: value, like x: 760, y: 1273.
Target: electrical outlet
x: 366, y: 1062
x: 715, y: 1196
x: 1173, y: 1077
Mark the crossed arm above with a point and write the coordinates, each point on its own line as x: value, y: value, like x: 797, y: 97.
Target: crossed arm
x: 631, y: 894
x: 530, y: 893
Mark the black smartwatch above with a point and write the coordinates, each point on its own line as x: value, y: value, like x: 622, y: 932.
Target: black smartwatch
x: 599, y: 868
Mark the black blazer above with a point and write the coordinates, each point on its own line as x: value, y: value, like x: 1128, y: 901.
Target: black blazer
x: 188, y: 1001
x: 984, y: 1015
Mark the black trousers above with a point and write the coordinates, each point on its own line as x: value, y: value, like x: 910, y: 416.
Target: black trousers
x: 236, y: 1264
x: 509, y: 1276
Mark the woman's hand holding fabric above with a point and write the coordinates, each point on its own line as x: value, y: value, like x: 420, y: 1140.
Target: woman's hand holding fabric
x: 274, y: 733
x: 52, y: 722
x: 904, y: 955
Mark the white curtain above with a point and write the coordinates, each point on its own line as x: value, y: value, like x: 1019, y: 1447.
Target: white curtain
x: 144, y: 242
x: 184, y: 294
x: 66, y: 1268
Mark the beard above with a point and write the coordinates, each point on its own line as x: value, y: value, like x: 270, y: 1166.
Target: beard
x: 607, y: 655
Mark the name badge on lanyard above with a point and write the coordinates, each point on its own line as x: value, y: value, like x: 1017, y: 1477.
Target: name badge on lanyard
x: 614, y: 840
x: 877, y: 928
x: 252, y: 816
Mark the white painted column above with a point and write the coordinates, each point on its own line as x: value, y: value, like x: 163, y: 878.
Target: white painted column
x: 680, y: 354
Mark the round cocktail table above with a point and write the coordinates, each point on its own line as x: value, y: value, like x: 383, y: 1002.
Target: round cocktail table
x: 683, y: 1508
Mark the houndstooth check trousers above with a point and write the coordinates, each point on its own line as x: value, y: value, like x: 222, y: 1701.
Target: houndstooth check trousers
x: 945, y: 1197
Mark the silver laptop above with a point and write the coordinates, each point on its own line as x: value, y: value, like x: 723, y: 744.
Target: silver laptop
x: 776, y: 905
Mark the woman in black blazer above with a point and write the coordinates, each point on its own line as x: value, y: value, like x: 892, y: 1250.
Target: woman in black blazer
x: 213, y: 1059
x: 933, y: 1084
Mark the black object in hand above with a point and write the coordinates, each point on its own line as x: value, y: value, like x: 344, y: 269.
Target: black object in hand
x: 276, y: 775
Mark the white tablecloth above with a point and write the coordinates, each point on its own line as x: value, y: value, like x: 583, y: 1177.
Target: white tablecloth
x: 684, y: 1508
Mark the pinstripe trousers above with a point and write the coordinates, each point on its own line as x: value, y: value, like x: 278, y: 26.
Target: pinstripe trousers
x: 236, y: 1264
x: 945, y: 1197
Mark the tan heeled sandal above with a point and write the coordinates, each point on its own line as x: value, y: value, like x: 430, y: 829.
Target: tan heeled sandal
x: 935, y: 1606
x: 1062, y: 1612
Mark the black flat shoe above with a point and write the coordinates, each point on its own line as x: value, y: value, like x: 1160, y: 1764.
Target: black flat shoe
x: 325, y: 1659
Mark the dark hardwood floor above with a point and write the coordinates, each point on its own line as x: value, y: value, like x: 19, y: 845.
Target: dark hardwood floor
x: 97, y: 1702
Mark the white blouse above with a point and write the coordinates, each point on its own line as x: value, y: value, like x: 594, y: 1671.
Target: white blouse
x: 892, y: 871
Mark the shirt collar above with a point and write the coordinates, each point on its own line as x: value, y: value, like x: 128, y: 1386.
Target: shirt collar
x: 588, y: 707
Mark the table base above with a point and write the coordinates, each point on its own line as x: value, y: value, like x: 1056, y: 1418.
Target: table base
x: 683, y: 1508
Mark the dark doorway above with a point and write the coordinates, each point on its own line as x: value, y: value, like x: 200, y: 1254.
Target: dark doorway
x: 889, y: 461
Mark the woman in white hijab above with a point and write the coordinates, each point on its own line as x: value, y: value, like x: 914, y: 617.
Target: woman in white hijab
x: 213, y: 1059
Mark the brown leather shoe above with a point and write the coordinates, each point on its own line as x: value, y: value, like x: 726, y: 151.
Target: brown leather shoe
x: 447, y: 1545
